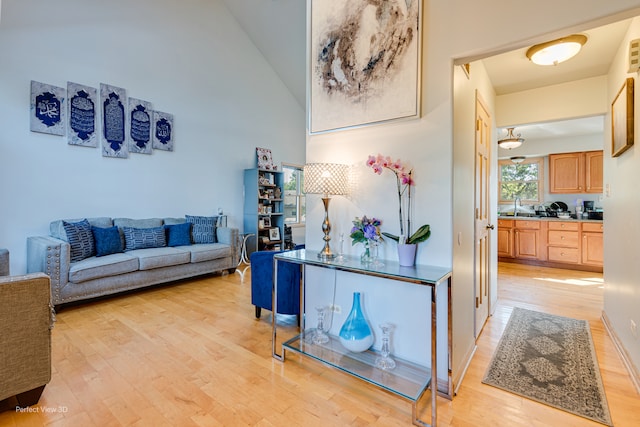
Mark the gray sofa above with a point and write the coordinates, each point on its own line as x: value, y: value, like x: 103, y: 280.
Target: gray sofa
x: 138, y: 264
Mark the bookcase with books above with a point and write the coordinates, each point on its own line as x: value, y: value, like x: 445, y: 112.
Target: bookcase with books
x: 263, y: 210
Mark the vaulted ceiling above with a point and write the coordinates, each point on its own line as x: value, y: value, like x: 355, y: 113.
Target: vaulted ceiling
x: 278, y: 30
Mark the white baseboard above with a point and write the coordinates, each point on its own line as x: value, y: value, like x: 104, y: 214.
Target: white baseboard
x: 626, y: 360
x: 458, y: 381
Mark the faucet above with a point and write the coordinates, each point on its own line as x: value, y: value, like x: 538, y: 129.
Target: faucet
x: 515, y: 205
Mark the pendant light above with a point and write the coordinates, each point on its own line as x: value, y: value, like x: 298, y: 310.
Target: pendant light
x: 511, y: 141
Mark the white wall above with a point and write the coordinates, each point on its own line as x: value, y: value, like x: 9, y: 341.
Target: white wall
x: 622, y: 229
x: 580, y: 98
x: 465, y: 90
x: 189, y: 58
x: 484, y: 28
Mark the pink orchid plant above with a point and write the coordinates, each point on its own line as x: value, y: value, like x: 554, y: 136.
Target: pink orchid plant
x: 404, y: 182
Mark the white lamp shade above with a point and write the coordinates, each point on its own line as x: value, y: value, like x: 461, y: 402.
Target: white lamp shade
x: 326, y: 179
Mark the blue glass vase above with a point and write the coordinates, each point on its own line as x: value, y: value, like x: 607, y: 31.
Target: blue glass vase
x: 355, y: 334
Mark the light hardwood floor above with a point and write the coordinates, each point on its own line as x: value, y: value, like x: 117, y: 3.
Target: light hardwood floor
x: 192, y: 354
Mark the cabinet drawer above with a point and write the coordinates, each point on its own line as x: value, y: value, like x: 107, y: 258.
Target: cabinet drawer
x: 592, y: 226
x: 507, y: 223
x: 558, y: 225
x: 568, y: 239
x: 525, y: 224
x: 570, y: 255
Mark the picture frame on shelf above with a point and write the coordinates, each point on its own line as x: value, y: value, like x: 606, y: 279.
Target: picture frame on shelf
x: 266, y: 222
x: 274, y: 233
x: 265, y: 160
x: 261, y: 223
x: 622, y: 113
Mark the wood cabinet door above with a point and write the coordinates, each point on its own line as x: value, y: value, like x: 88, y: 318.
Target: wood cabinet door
x: 526, y: 244
x: 593, y: 171
x: 505, y: 242
x: 566, y: 173
x: 592, y: 249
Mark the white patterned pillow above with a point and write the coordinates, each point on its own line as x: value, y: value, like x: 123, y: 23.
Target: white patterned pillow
x: 80, y: 239
x: 203, y: 228
x: 142, y: 238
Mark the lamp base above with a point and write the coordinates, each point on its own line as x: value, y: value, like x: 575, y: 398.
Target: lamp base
x: 326, y: 256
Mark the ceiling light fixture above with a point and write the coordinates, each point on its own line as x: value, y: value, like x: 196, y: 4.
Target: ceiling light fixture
x: 556, y: 51
x: 511, y: 141
x: 517, y: 159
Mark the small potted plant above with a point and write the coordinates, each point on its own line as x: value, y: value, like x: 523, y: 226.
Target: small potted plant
x: 407, y: 242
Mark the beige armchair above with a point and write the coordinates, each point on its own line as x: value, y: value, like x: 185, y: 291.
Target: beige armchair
x: 26, y: 319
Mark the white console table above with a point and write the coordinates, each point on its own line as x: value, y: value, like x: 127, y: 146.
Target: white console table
x: 408, y: 380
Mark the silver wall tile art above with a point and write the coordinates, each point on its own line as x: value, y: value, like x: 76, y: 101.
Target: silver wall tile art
x: 140, y: 115
x: 113, y: 101
x: 82, y: 115
x: 48, y: 108
x: 162, y: 131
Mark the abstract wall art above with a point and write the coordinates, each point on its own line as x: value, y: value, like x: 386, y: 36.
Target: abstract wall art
x: 82, y: 115
x: 139, y: 130
x: 113, y: 101
x: 364, y: 63
x: 48, y: 108
x: 162, y: 131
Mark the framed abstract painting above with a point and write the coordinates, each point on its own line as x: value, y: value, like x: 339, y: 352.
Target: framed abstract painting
x: 365, y: 62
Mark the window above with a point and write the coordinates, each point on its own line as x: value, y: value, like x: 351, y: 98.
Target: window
x: 294, y: 198
x: 521, y: 180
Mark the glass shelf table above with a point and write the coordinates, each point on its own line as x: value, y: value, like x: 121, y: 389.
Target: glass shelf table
x: 408, y: 380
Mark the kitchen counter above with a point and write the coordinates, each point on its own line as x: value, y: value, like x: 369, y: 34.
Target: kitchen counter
x: 547, y: 218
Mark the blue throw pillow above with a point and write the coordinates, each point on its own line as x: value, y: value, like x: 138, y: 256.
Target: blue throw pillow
x: 80, y: 239
x: 178, y: 234
x: 142, y: 238
x: 107, y: 240
x: 203, y: 229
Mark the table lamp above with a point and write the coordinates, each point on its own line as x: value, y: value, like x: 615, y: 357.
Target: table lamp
x: 327, y: 179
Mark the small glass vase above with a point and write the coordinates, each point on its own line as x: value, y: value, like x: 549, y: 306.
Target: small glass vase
x: 366, y: 257
x: 355, y: 334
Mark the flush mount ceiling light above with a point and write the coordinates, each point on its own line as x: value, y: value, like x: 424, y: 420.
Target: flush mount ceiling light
x: 556, y: 51
x: 517, y: 159
x: 511, y: 141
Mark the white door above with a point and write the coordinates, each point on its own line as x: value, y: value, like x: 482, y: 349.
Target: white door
x: 482, y: 225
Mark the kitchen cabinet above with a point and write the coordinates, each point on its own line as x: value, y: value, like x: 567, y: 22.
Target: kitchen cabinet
x: 527, y: 243
x: 593, y: 171
x: 505, y: 238
x: 575, y: 173
x: 592, y: 246
x: 563, y: 242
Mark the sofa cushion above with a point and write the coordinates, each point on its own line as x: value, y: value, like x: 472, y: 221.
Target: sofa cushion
x: 203, y: 229
x: 80, y: 239
x: 107, y: 240
x: 143, y: 238
x: 56, y: 228
x: 105, y: 266
x: 149, y: 259
x: 207, y: 251
x: 178, y: 234
x: 137, y: 223
x: 173, y: 221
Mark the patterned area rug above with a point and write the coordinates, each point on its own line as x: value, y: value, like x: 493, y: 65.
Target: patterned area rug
x: 550, y: 359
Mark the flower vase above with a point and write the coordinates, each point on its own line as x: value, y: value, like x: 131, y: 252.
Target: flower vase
x: 407, y: 254
x: 355, y: 334
x: 366, y: 258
